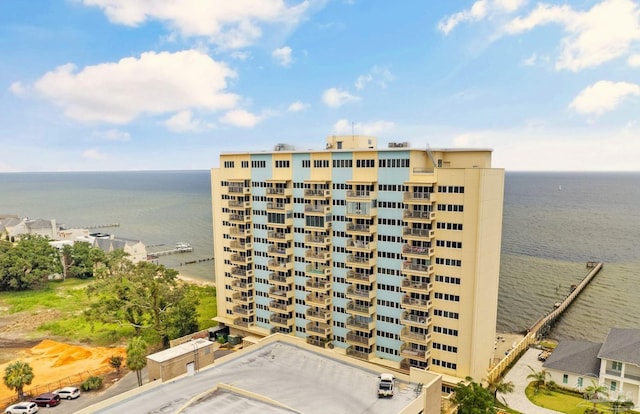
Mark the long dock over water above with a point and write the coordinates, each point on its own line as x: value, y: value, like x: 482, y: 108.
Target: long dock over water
x: 542, y: 326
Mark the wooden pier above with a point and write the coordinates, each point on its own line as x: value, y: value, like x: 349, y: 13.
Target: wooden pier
x: 543, y: 325
x: 179, y: 248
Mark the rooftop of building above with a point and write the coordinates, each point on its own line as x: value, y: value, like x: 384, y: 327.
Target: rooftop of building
x: 575, y: 356
x: 278, y: 375
x: 353, y: 143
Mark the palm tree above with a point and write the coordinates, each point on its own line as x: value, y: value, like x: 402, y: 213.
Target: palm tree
x: 17, y: 375
x: 498, y: 385
x: 137, y: 356
x: 594, y: 392
x: 539, y: 378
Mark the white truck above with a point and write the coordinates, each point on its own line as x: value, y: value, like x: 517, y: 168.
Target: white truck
x: 386, y: 384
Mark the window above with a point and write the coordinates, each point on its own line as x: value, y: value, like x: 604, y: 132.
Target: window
x: 228, y: 164
x: 565, y: 379
x: 614, y: 385
x: 616, y: 366
x: 579, y: 382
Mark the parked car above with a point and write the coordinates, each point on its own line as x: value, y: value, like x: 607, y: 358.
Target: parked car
x: 68, y: 393
x: 385, y: 385
x: 24, y: 407
x: 46, y: 400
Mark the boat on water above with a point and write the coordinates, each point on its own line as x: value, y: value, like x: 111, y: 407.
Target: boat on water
x: 183, y: 246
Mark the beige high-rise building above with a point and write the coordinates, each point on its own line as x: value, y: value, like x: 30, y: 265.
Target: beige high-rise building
x: 390, y: 255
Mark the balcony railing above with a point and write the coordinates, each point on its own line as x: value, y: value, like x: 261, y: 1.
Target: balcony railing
x: 356, y: 353
x: 319, y: 328
x: 317, y: 270
x: 414, y: 337
x: 311, y: 192
x: 417, y: 196
x: 419, y: 215
x: 408, y: 300
x: 322, y: 314
x: 420, y: 320
x: 360, y: 293
x: 360, y: 340
x: 322, y: 240
x: 243, y: 311
x: 417, y: 250
x: 314, y: 208
x: 417, y: 285
x: 318, y: 285
x: 408, y: 266
x: 355, y: 277
x: 359, y: 323
x: 360, y: 194
x: 361, y: 228
x: 361, y: 309
x: 322, y: 300
x: 425, y: 233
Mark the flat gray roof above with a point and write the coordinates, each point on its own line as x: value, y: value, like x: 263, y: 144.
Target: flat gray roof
x: 276, y: 377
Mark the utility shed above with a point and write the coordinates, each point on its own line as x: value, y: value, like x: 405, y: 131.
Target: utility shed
x: 186, y: 358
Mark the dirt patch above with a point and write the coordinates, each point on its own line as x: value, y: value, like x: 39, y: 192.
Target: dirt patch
x: 57, y: 364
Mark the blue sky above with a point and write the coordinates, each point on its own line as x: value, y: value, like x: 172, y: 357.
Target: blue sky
x: 94, y: 85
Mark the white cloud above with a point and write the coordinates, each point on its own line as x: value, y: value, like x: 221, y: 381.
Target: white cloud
x: 334, y: 97
x: 283, y: 55
x: 18, y: 89
x: 240, y: 118
x: 531, y: 60
x: 240, y: 55
x: 183, y: 122
x: 372, y: 128
x: 229, y: 24
x: 377, y: 75
x: 155, y: 83
x: 601, y: 34
x: 634, y: 61
x: 479, y: 10
x: 297, y: 106
x: 94, y: 154
x: 113, y: 134
x: 603, y: 96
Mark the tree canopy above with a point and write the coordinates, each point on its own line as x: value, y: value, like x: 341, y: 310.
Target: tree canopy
x: 17, y: 375
x: 473, y: 398
x: 137, y: 356
x: 143, y: 295
x: 28, y: 263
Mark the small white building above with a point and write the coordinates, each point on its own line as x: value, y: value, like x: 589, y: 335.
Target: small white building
x: 615, y: 363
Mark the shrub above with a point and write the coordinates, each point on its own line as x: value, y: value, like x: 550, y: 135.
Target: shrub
x: 91, y: 384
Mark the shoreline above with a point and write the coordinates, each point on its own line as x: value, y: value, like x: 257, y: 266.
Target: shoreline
x: 195, y: 281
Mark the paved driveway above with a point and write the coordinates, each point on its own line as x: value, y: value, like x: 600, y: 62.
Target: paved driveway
x: 518, y: 375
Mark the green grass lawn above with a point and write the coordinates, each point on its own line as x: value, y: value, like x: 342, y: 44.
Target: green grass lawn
x: 563, y: 402
x: 69, y: 297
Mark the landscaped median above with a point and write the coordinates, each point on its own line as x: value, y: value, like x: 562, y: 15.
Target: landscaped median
x: 565, y: 401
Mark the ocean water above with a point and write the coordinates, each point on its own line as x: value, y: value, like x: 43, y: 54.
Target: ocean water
x: 553, y: 224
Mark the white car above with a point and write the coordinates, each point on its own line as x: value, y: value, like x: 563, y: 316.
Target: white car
x: 385, y: 385
x: 25, y: 407
x: 68, y: 392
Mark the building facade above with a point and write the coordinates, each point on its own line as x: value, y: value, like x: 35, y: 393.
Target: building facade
x: 388, y: 255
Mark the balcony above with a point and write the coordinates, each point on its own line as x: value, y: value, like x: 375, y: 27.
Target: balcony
x: 239, y: 218
x: 240, y: 310
x: 280, y: 329
x: 243, y: 322
x: 320, y: 342
x: 416, y: 268
x: 415, y: 320
x: 278, y: 207
x: 277, y: 293
x: 407, y: 335
x: 353, y: 351
x: 284, y: 322
x: 360, y: 309
x: 364, y: 229
x: 418, y: 216
x: 360, y: 324
x: 360, y: 261
x: 280, y: 251
x: 279, y: 236
x: 354, y: 339
x: 319, y: 328
x: 418, y: 234
x: 284, y: 222
x: 361, y: 213
x: 239, y: 286
x: 237, y: 232
x: 417, y: 286
x: 241, y: 273
x: 282, y: 192
x: 362, y: 195
x: 235, y: 189
x: 317, y: 270
x: 361, y: 246
x: 408, y: 351
x: 317, y: 193
x: 318, y: 315
x: 317, y: 209
x: 317, y: 255
x: 239, y: 245
x: 317, y: 241
x: 418, y: 198
x: 239, y: 299
x: 358, y: 277
x: 322, y: 286
x: 281, y: 307
x: 417, y: 251
x: 279, y: 266
x: 235, y: 204
x: 320, y: 300
x: 283, y: 279
x: 241, y: 260
x: 416, y: 303
x: 362, y: 294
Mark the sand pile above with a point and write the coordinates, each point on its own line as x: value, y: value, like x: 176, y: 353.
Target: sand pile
x: 56, y: 364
